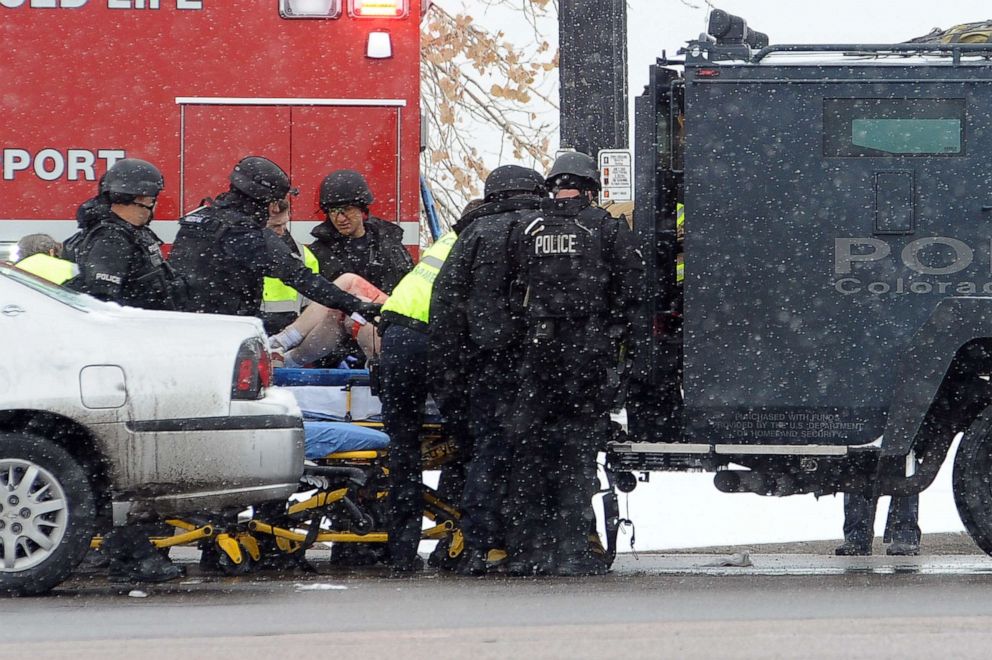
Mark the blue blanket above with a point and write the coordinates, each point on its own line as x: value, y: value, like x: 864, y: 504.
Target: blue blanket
x: 323, y: 438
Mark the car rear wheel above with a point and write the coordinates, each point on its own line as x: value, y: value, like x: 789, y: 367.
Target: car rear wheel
x: 47, y: 514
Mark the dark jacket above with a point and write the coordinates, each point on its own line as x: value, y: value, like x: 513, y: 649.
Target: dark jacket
x: 471, y: 318
x: 224, y: 252
x: 471, y: 294
x: 384, y: 264
x: 121, y: 263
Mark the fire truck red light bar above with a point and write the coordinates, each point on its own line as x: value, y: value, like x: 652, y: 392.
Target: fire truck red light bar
x: 379, y: 8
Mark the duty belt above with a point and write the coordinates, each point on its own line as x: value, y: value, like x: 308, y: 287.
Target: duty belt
x: 392, y: 318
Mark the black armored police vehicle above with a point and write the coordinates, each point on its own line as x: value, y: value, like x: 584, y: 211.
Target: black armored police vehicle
x: 833, y: 332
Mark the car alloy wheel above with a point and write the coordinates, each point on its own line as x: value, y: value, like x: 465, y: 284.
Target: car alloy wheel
x: 34, y: 514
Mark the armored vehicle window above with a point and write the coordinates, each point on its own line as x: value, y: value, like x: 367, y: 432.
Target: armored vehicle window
x: 893, y: 127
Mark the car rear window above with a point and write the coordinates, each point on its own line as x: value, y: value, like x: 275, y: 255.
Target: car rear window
x: 65, y: 296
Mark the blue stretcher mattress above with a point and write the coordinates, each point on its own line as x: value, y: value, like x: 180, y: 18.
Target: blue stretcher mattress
x: 328, y: 377
x: 323, y: 438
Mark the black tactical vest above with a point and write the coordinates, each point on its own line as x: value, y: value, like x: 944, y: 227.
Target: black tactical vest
x: 563, y: 270
x: 151, y: 284
x: 222, y: 255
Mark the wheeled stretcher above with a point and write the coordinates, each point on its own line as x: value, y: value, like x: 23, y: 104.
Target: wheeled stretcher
x: 348, y: 471
x: 344, y: 486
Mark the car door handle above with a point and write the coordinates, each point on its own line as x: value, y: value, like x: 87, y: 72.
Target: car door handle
x: 986, y: 208
x: 11, y: 310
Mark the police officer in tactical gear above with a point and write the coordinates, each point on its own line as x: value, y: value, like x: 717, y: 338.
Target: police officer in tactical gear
x: 351, y: 240
x: 576, y: 282
x: 476, y: 336
x: 224, y: 252
x: 120, y: 259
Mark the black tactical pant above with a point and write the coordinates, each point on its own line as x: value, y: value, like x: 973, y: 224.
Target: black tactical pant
x: 560, y: 420
x: 902, y: 525
x: 404, y: 390
x: 491, y: 392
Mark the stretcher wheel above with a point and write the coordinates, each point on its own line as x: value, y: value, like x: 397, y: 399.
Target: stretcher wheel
x: 214, y: 559
x: 228, y: 566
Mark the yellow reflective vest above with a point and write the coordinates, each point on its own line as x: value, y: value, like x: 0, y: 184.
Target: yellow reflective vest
x: 48, y: 267
x: 278, y: 296
x: 412, y: 296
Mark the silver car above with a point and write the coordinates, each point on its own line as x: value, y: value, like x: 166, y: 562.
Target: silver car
x: 99, y: 403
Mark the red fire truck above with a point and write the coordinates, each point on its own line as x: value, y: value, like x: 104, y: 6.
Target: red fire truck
x: 195, y: 85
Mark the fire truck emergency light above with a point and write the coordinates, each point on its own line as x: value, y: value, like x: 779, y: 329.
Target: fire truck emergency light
x: 310, y: 8
x: 379, y: 47
x: 379, y: 8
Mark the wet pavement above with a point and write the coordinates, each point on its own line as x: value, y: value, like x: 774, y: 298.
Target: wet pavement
x: 653, y: 605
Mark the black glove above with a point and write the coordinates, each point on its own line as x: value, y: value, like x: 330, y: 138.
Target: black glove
x: 370, y: 312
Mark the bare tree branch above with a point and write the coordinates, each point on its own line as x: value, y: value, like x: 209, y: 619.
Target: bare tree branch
x: 485, y: 96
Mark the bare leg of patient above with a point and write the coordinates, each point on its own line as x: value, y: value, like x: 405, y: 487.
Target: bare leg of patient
x: 322, y: 329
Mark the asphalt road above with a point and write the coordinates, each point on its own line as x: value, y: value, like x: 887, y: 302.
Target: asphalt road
x: 672, y: 606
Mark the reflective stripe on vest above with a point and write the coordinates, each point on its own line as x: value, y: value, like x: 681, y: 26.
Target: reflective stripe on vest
x: 278, y: 297
x: 412, y: 296
x: 679, y: 215
x: 48, y: 267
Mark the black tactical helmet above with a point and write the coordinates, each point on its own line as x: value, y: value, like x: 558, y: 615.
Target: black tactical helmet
x: 574, y: 169
x: 513, y: 179
x: 133, y: 176
x: 260, y: 179
x: 344, y: 188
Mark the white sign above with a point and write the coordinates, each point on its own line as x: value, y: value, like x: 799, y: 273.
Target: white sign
x: 616, y: 173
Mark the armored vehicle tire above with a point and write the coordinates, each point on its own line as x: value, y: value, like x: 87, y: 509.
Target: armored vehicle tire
x: 973, y: 481
x: 47, y: 514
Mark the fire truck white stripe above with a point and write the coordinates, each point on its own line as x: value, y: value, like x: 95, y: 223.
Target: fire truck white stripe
x: 12, y: 231
x: 203, y: 100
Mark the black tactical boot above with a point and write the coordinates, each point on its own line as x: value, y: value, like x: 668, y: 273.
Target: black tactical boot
x: 581, y: 566
x: 529, y: 565
x: 853, y: 549
x: 406, y: 568
x: 441, y: 560
x: 356, y: 555
x: 903, y: 549
x: 473, y: 563
x: 152, y: 568
x: 133, y: 558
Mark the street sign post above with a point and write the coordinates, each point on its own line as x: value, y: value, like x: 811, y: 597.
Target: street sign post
x: 616, y: 174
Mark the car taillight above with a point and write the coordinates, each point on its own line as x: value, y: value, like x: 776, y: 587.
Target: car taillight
x: 379, y: 8
x: 265, y: 369
x: 252, y: 370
